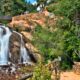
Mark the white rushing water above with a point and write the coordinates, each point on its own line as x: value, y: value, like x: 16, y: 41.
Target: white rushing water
x: 24, y: 54
x: 4, y: 47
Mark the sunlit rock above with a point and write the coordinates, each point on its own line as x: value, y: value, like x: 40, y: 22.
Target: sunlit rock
x: 27, y: 36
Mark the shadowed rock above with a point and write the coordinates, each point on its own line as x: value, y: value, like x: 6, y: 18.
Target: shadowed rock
x: 8, y: 18
x: 14, y: 45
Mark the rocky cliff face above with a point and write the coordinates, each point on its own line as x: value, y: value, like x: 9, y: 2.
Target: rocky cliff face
x: 26, y: 23
x: 30, y: 20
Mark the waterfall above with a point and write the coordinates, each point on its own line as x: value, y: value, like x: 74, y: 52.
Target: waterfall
x: 24, y: 57
x: 4, y: 47
x: 4, y: 44
x: 24, y: 54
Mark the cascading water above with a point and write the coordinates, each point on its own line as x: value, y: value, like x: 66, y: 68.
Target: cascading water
x: 24, y: 54
x: 24, y: 57
x: 4, y: 47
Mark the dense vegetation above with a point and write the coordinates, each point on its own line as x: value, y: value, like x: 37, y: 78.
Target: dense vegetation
x: 65, y: 41
x: 70, y: 26
x: 41, y: 72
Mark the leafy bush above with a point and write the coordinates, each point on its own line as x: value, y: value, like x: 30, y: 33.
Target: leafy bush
x: 41, y: 73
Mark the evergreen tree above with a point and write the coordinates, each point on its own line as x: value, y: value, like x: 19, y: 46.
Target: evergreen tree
x: 12, y: 7
x: 19, y: 6
x: 6, y: 7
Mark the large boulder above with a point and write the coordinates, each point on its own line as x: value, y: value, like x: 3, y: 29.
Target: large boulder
x: 34, y: 52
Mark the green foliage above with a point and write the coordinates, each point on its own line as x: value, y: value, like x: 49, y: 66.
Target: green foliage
x: 69, y: 10
x: 15, y: 7
x: 30, y: 7
x: 6, y: 7
x: 50, y: 44
x: 65, y: 41
x: 65, y: 7
x: 41, y: 73
x: 19, y: 7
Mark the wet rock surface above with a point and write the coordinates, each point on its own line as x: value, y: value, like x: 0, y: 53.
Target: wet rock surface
x: 8, y: 73
x: 14, y: 47
x: 15, y: 43
x: 12, y: 72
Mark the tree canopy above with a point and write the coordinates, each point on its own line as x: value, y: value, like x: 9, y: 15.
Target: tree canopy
x: 14, y: 7
x: 65, y: 41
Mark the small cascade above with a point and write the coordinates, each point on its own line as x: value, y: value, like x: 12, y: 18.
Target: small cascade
x: 24, y: 57
x: 4, y: 47
x: 24, y: 54
x: 4, y: 44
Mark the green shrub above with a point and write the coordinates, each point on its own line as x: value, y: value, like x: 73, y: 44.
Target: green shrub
x: 41, y: 73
